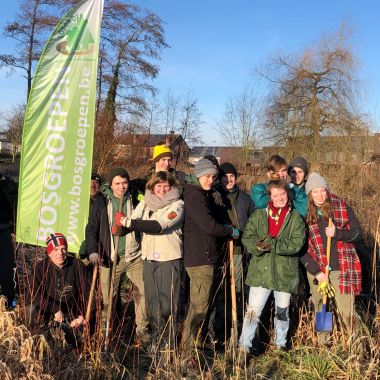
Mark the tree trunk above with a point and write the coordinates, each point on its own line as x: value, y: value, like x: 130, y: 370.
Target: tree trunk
x: 110, y: 104
x: 30, y: 49
x: 315, y: 127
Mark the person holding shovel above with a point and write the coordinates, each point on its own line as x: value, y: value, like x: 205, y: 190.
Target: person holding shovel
x: 344, y: 280
x: 101, y: 236
x: 239, y: 207
x: 274, y: 237
x: 159, y: 218
x: 204, y: 233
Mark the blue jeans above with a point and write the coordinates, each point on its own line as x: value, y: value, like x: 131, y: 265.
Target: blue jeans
x: 256, y: 302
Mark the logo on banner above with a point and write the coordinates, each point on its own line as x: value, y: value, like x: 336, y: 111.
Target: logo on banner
x: 78, y: 37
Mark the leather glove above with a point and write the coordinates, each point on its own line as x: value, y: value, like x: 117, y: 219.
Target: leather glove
x: 94, y: 258
x: 117, y: 230
x: 263, y: 245
x: 326, y: 289
x: 118, y: 219
x: 234, y: 232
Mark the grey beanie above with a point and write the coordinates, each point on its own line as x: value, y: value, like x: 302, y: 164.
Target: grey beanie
x: 315, y: 181
x: 204, y: 166
x: 298, y: 162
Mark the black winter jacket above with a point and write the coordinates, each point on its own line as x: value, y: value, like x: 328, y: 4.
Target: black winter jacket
x: 98, y: 236
x: 203, y: 231
x: 66, y: 289
x: 243, y: 205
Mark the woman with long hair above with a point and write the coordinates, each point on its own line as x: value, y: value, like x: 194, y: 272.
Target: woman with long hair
x: 344, y: 266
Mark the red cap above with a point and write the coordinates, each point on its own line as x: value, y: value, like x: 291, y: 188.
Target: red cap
x: 54, y: 240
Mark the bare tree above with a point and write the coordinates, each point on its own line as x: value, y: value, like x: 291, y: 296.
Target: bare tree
x: 171, y: 107
x: 29, y: 30
x: 312, y: 94
x: 148, y: 121
x: 14, y: 122
x: 238, y: 126
x: 132, y: 40
x: 190, y: 120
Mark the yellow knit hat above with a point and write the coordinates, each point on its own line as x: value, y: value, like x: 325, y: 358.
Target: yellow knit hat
x: 160, y: 151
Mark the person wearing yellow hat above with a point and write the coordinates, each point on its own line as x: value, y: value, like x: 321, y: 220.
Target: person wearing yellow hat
x: 162, y: 162
x: 162, y: 158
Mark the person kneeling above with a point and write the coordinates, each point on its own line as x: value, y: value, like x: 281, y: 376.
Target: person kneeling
x: 60, y: 289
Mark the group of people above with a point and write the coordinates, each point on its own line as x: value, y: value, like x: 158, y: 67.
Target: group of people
x: 179, y: 227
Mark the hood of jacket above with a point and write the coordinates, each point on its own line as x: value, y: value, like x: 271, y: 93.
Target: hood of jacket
x: 192, y: 179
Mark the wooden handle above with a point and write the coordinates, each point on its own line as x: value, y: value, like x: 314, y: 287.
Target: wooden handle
x: 233, y: 286
x: 91, y: 297
x: 328, y: 250
x: 112, y: 284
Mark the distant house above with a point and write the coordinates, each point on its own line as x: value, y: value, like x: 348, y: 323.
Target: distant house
x: 198, y: 152
x: 6, y: 147
x: 231, y: 154
x: 222, y: 153
x: 140, y: 146
x: 333, y: 149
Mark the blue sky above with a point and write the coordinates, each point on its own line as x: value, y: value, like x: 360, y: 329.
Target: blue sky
x: 216, y: 44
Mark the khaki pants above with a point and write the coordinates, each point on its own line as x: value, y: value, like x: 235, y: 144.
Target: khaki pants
x: 134, y: 271
x: 201, y: 280
x: 344, y: 302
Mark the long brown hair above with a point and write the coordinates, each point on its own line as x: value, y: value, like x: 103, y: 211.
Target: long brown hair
x: 312, y: 210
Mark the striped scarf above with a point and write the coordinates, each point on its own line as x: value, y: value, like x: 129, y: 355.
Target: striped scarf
x: 350, y: 280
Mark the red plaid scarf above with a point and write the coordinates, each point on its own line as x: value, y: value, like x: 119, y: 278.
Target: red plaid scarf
x: 349, y: 264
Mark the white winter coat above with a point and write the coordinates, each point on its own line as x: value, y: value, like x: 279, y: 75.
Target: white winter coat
x: 168, y: 244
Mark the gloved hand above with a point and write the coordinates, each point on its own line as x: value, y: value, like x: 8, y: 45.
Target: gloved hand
x: 326, y: 289
x: 117, y: 230
x: 119, y: 216
x: 234, y: 232
x: 94, y: 258
x: 263, y: 245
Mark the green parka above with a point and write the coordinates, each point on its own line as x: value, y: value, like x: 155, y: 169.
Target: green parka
x: 278, y: 268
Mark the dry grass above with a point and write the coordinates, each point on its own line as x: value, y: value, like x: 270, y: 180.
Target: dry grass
x: 43, y: 354
x: 26, y: 354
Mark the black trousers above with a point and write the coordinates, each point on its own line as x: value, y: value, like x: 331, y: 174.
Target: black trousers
x: 7, y: 283
x: 162, y: 284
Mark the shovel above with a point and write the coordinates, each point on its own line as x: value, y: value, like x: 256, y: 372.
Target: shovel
x: 324, y: 319
x: 91, y: 297
x: 234, y: 330
x: 112, y: 285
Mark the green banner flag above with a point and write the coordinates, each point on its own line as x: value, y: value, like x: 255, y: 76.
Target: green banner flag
x: 57, y: 142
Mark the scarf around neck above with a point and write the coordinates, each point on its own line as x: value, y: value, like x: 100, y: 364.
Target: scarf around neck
x: 154, y: 203
x: 276, y: 218
x: 350, y: 280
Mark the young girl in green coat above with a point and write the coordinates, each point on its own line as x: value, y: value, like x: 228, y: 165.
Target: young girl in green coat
x: 274, y: 237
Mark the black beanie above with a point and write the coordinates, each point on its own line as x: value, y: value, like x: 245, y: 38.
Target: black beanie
x: 227, y: 168
x: 117, y: 172
x: 298, y: 162
x: 95, y: 176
